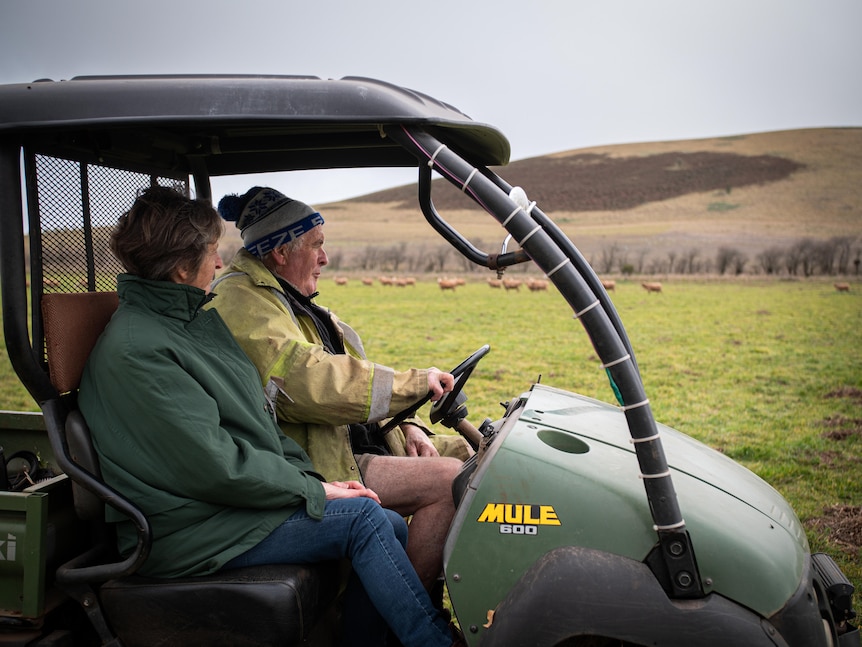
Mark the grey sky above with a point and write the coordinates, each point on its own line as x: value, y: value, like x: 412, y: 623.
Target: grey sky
x: 553, y: 75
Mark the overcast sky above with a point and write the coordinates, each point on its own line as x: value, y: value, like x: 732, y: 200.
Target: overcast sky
x: 553, y: 75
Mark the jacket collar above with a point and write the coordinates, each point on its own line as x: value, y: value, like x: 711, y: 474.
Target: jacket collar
x: 246, y: 262
x: 175, y: 300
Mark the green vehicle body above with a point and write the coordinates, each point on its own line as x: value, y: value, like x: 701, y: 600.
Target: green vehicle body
x: 574, y: 454
x: 578, y: 522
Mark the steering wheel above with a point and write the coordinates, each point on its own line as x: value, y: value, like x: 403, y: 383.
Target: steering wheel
x: 450, y: 401
x: 461, y: 373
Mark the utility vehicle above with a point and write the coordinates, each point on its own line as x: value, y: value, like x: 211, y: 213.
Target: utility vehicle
x: 578, y: 522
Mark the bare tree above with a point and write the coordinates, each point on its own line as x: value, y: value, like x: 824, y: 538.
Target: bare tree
x: 671, y: 260
x: 436, y: 259
x: 693, y: 260
x: 369, y: 258
x: 843, y: 251
x: 724, y: 259
x: 770, y: 259
x: 336, y: 258
x: 608, y: 259
x: 793, y: 257
x: 393, y: 256
x: 639, y: 265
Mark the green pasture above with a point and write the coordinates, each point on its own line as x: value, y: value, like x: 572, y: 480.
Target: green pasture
x: 770, y: 372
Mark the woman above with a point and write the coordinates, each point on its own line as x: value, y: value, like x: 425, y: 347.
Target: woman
x: 183, y: 428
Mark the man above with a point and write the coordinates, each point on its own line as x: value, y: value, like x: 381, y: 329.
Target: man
x: 328, y: 396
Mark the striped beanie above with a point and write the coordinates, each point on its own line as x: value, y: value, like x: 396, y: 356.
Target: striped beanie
x: 267, y: 218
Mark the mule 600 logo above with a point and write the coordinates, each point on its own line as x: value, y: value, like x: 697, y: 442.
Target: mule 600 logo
x: 519, y: 518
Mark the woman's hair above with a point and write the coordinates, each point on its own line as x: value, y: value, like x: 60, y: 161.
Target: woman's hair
x: 165, y: 231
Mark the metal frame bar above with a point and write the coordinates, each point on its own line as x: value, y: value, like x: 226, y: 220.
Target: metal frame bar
x: 579, y: 286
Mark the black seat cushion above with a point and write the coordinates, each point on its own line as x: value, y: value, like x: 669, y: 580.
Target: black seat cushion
x: 261, y: 605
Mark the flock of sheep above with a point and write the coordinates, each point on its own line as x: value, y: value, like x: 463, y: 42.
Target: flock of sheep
x: 534, y: 285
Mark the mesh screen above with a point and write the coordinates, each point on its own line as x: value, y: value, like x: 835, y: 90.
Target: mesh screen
x: 78, y: 206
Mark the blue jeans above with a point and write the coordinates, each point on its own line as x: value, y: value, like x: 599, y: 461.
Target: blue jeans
x: 373, y: 539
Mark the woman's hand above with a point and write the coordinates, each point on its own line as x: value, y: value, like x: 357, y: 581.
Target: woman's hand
x: 348, y: 490
x: 439, y: 383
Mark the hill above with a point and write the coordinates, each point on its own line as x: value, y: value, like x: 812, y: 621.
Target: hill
x: 650, y: 202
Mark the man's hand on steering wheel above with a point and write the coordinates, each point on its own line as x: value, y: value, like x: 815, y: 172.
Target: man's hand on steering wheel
x: 439, y: 383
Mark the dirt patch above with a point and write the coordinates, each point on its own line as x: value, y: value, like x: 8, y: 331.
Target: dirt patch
x: 841, y: 427
x: 849, y: 392
x: 600, y: 182
x: 843, y: 524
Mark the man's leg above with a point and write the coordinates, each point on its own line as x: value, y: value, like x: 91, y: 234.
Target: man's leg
x: 421, y: 487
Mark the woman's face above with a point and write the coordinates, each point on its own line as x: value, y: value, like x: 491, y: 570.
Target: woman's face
x: 206, y: 273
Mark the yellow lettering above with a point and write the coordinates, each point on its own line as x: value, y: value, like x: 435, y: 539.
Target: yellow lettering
x: 529, y: 519
x: 514, y: 513
x: 519, y: 513
x: 493, y: 513
x: 548, y: 516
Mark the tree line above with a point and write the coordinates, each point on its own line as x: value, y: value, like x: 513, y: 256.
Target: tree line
x: 836, y: 256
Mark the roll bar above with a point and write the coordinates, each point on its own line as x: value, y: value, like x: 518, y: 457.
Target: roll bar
x: 543, y: 243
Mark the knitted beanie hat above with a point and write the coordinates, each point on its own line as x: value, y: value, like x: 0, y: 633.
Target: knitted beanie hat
x: 268, y: 219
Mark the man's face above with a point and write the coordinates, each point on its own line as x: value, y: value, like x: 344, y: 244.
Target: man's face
x: 304, y: 263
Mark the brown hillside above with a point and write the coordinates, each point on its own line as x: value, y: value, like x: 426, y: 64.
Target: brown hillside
x: 749, y: 192
x: 605, y: 182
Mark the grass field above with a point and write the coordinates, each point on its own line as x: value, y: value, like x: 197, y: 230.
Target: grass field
x: 770, y: 373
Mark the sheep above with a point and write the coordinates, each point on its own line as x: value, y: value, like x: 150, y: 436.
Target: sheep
x: 495, y: 283
x: 448, y: 284
x: 651, y: 287
x: 340, y: 280
x: 842, y: 287
x: 367, y: 281
x: 610, y: 286
x: 535, y: 285
x: 511, y: 284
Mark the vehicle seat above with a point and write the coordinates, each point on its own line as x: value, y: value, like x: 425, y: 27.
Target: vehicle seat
x: 264, y: 605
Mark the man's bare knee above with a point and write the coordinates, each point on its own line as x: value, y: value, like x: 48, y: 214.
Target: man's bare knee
x: 410, y: 482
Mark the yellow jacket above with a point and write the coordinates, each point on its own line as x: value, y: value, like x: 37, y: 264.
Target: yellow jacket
x: 315, y: 394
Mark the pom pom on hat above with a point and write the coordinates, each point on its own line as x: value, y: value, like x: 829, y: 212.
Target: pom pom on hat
x: 267, y: 218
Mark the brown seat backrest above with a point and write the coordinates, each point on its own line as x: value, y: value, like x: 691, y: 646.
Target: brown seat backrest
x: 73, y: 323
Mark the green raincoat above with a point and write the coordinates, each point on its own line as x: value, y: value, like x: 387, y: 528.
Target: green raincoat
x: 183, y: 429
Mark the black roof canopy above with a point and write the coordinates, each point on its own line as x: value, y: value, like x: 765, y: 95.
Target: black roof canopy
x: 234, y: 124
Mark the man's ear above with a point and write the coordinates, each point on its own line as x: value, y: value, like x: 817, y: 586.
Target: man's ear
x: 278, y: 255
